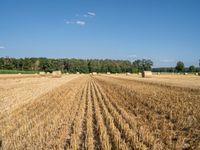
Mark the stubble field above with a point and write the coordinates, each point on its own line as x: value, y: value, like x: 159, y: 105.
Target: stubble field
x: 100, y: 112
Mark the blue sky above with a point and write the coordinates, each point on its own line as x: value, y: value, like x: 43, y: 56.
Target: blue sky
x: 163, y: 30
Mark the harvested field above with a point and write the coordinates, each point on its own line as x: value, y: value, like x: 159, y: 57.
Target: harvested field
x: 99, y: 112
x: 187, y: 81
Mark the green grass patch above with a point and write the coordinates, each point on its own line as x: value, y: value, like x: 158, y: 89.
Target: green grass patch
x: 16, y: 72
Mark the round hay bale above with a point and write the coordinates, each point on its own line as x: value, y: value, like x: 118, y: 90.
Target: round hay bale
x: 146, y: 74
x: 94, y: 73
x: 56, y: 74
x: 42, y: 74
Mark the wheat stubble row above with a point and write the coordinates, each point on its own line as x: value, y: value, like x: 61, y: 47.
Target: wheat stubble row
x: 16, y: 92
x: 44, y: 121
x: 169, y: 113
x: 99, y: 112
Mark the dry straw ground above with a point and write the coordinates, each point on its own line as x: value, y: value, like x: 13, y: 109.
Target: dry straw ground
x: 99, y: 112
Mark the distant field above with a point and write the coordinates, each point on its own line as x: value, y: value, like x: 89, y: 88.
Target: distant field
x: 100, y: 112
x: 188, y: 81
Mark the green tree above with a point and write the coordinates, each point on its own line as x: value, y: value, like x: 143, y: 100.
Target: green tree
x: 180, y: 66
x: 8, y: 63
x: 192, y: 69
x: 94, y: 65
x: 36, y: 65
x: 74, y: 65
x: 142, y: 65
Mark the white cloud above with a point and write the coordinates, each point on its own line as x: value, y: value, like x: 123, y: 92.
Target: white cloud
x: 2, y: 47
x: 69, y: 22
x: 166, y: 60
x: 81, y: 23
x: 91, y: 13
x: 132, y: 56
x: 77, y: 22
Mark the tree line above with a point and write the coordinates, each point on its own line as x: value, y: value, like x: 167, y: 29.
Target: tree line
x: 75, y: 65
x: 180, y: 67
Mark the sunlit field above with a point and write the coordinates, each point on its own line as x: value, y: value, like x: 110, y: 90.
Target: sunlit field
x: 115, y: 111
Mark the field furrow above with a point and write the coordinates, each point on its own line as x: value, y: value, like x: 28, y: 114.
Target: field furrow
x: 102, y: 131
x: 89, y: 140
x: 144, y: 135
x: 115, y: 133
x: 150, y: 108
x: 44, y: 124
x: 127, y: 126
x: 77, y: 136
x: 98, y: 112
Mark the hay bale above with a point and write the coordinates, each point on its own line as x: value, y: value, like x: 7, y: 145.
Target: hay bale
x: 94, y: 73
x: 185, y: 73
x: 146, y: 74
x: 158, y: 73
x: 42, y: 73
x: 77, y: 72
x: 128, y: 73
x: 108, y: 72
x: 56, y: 74
x: 139, y: 73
